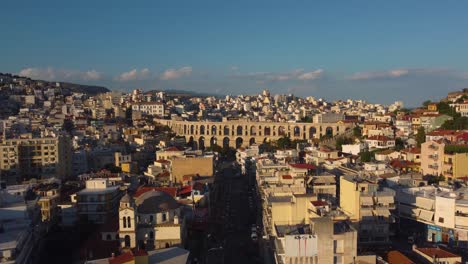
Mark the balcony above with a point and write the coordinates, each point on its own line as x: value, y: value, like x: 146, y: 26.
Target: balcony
x: 461, y: 221
x: 434, y: 147
x: 434, y: 157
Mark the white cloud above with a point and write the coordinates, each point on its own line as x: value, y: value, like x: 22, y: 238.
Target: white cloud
x: 171, y: 74
x: 234, y: 68
x: 52, y: 74
x: 298, y: 74
x: 379, y: 74
x: 311, y: 75
x: 134, y: 75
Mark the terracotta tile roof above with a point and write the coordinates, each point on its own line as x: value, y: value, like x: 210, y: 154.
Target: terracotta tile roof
x: 185, y: 190
x: 126, y: 257
x: 302, y: 166
x: 442, y: 133
x: 172, y: 191
x: 172, y: 149
x: 396, y: 257
x: 139, y: 252
x: 412, y: 150
x: 431, y: 252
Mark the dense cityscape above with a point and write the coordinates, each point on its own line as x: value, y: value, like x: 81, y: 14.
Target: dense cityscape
x: 234, y: 132
x: 172, y: 177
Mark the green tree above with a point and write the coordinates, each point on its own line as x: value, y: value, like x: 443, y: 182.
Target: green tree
x: 426, y: 103
x: 420, y: 136
x: 366, y: 156
x: 458, y: 123
x: 284, y: 142
x: 340, y: 141
x: 357, y: 132
x: 399, y: 144
x: 306, y: 119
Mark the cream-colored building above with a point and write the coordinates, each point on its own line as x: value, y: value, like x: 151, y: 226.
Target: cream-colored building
x: 432, y: 157
x: 437, y: 159
x: 150, y: 221
x: 443, y: 210
x: 368, y: 207
x: 45, y: 157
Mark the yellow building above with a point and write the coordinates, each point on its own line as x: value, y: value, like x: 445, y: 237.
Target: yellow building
x: 201, y: 165
x: 44, y: 157
x: 368, y: 208
x: 455, y: 165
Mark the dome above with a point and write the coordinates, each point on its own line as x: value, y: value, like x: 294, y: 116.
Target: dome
x: 153, y: 202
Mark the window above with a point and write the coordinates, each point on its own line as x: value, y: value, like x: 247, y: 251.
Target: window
x: 108, y: 237
x: 164, y: 217
x: 151, y: 235
x: 151, y: 218
x: 124, y: 222
x: 441, y: 219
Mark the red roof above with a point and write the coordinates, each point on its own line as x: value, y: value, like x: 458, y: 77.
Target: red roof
x: 431, y: 252
x: 319, y: 203
x: 198, y: 186
x: 412, y: 150
x: 172, y: 191
x: 172, y: 149
x: 287, y: 177
x: 126, y: 257
x: 163, y: 161
x: 139, y: 252
x: 302, y: 166
x: 396, y: 257
x: 185, y: 190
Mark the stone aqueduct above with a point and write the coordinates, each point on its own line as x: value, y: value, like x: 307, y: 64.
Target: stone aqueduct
x: 237, y: 133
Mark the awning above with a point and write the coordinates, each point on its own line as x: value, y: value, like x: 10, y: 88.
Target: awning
x: 409, y: 211
x: 425, y: 203
x: 367, y: 201
x: 385, y: 199
x: 382, y: 212
x: 426, y: 215
x: 366, y: 212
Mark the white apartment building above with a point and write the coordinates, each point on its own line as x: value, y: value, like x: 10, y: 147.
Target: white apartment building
x: 98, y: 200
x: 444, y: 212
x: 149, y: 108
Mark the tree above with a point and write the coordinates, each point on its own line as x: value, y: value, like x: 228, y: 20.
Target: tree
x: 458, y: 123
x: 340, y: 141
x: 399, y: 144
x: 357, y: 132
x: 426, y: 103
x: 284, y: 142
x: 366, y: 156
x: 306, y: 119
x: 112, y: 168
x: 420, y: 136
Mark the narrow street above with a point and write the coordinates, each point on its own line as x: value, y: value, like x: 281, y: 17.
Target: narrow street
x: 233, y: 214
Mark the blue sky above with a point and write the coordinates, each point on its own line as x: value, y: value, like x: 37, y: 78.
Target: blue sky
x: 380, y: 51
